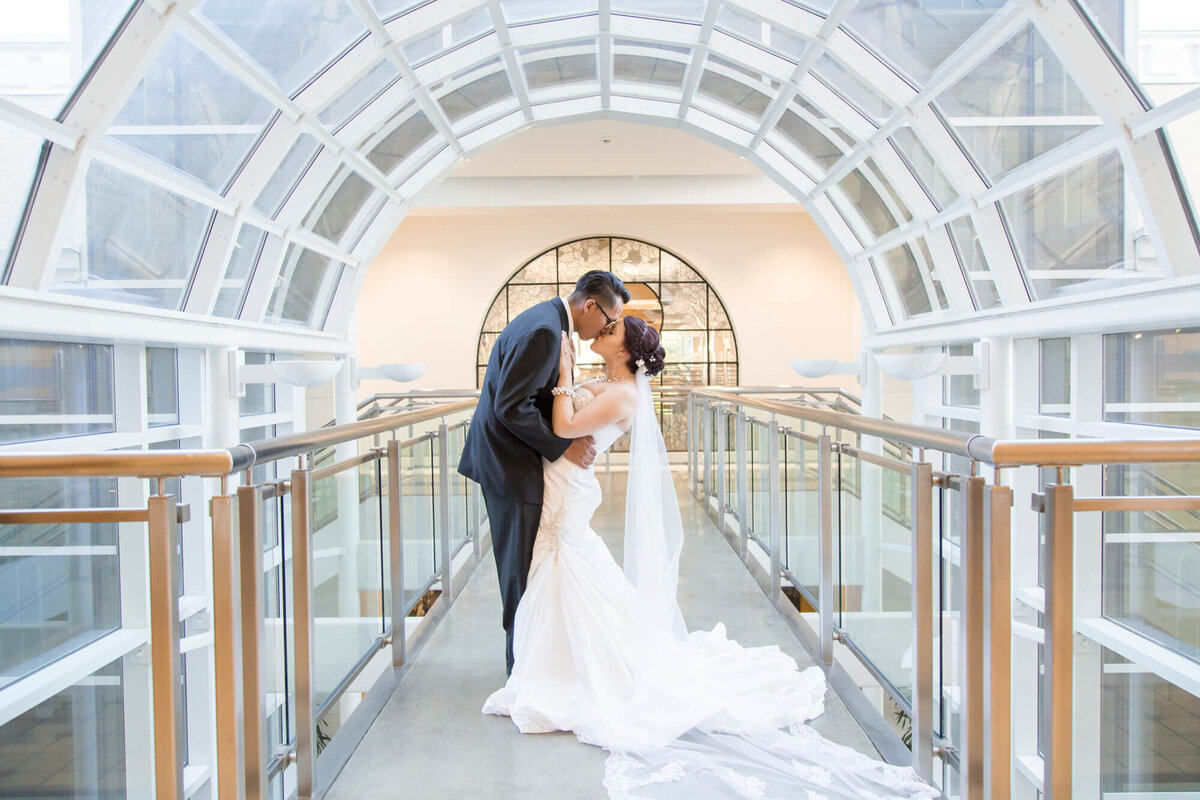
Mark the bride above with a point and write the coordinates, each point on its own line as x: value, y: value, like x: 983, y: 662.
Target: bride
x: 603, y: 651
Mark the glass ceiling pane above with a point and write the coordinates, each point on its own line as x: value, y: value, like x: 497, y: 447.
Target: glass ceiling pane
x: 1075, y: 221
x: 557, y: 70
x: 809, y: 139
x: 646, y: 69
x: 917, y: 35
x: 517, y: 11
x: 901, y: 265
x: 293, y: 40
x: 246, y: 251
x: 691, y: 10
x: 925, y: 167
x: 305, y: 288
x: 335, y: 217
x: 852, y: 88
x: 970, y: 254
x: 1109, y: 16
x: 49, y: 47
x: 410, y: 134
x: 733, y: 93
x: 423, y: 48
x: 141, y: 245
x: 477, y: 94
x: 284, y: 179
x: 389, y: 8
x: 192, y: 114
x: 1022, y: 79
x: 870, y: 205
x: 773, y: 37
x: 21, y: 152
x: 352, y: 99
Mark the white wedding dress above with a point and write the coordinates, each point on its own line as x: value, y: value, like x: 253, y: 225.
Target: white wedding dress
x: 603, y: 652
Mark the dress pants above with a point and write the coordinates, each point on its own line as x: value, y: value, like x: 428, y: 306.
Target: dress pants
x: 514, y: 527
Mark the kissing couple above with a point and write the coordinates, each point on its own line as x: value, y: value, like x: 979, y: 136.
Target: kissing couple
x: 601, y: 649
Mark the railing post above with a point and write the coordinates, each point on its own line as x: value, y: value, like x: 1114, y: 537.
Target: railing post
x: 706, y: 435
x: 825, y: 512
x: 693, y: 445
x: 396, y: 553
x: 776, y: 507
x: 997, y: 654
x: 302, y: 606
x: 974, y: 635
x: 722, y: 438
x: 1058, y: 533
x: 250, y: 567
x: 742, y: 485
x: 444, y: 512
x: 227, y: 651
x: 163, y: 551
x: 921, y: 486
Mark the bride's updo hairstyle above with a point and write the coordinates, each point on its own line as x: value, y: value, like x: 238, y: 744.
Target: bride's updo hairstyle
x: 642, y: 343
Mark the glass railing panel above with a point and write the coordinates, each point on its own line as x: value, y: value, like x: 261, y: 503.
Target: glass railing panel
x: 801, y: 556
x: 948, y: 631
x: 417, y: 481
x: 459, y: 529
x: 848, y: 577
x: 275, y: 650
x: 347, y: 588
x: 757, y: 485
x: 877, y: 571
x: 730, y: 444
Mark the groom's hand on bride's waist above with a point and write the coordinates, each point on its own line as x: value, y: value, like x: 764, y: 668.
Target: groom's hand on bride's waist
x: 581, y: 452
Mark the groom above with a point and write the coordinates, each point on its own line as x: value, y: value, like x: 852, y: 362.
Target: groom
x: 511, y: 432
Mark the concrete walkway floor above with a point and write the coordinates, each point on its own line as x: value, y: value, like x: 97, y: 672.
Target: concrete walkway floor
x: 431, y: 741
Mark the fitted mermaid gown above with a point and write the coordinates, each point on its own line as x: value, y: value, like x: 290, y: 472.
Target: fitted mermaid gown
x: 585, y: 662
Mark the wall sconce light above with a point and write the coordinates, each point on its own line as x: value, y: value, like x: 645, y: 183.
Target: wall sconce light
x: 401, y: 373
x: 304, y: 374
x: 914, y: 366
x: 819, y: 368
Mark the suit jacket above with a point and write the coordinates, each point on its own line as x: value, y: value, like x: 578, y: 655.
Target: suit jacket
x: 511, y: 432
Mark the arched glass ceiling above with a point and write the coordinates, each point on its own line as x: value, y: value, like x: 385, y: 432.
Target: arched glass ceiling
x: 247, y: 160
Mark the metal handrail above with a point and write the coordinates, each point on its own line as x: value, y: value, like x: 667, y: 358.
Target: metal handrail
x: 211, y: 463
x: 996, y: 452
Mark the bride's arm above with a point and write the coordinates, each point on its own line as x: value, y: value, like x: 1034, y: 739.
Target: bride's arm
x: 611, y: 406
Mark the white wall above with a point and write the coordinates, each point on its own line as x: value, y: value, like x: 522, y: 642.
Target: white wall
x: 787, y: 292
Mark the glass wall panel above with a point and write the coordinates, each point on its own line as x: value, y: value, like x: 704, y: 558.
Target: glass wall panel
x: 59, y: 584
x: 1109, y: 18
x: 352, y: 99
x: 333, y: 219
x: 142, y: 242
x: 1151, y: 561
x: 1074, y: 221
x: 283, y: 181
x: 17, y: 168
x: 1153, y: 378
x: 305, y: 289
x: 52, y: 389
x: 1054, y: 385
x: 1148, y: 741
x: 291, y: 39
x: 49, y: 47
x: 246, y: 251
x: 1022, y: 79
x: 162, y: 386
x: 918, y: 36
x: 190, y: 113
x: 960, y: 390
x: 414, y: 131
x: 70, y: 745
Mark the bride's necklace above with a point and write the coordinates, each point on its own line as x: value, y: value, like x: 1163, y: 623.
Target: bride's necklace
x: 610, y: 379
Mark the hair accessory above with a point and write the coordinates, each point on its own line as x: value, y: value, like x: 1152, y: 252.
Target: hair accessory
x: 641, y: 362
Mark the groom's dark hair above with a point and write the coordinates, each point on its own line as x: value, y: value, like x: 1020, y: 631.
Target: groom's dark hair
x: 601, y: 286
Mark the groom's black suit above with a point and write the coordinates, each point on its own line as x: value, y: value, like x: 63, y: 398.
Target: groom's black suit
x: 508, y: 437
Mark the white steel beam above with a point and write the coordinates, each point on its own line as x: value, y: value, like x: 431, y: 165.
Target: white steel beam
x: 695, y: 67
